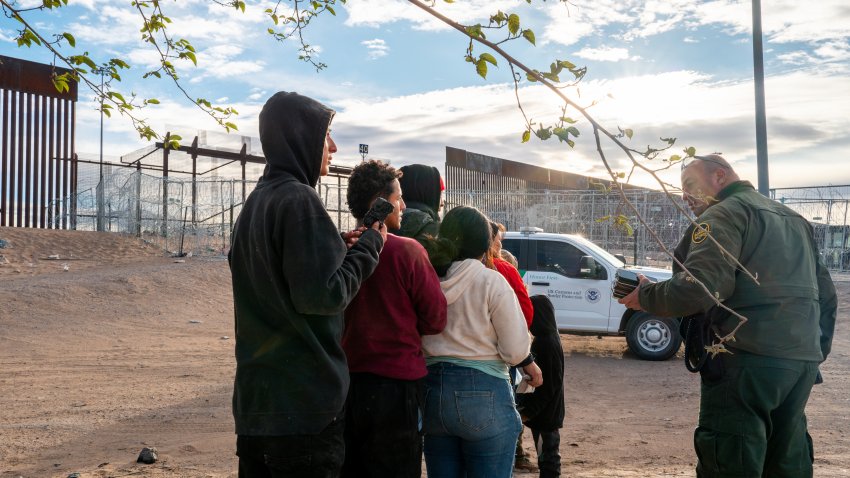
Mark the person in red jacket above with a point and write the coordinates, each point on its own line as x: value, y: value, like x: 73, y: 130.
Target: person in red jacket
x: 494, y: 261
x: 395, y: 307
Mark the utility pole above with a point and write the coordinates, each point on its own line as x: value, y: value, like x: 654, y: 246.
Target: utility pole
x: 761, y: 119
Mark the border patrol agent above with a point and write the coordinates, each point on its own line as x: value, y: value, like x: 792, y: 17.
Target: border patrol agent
x: 752, y: 419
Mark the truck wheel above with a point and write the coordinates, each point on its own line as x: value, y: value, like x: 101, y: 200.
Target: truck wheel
x: 653, y: 338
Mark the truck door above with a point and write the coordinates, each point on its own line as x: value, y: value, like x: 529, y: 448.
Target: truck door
x: 581, y: 304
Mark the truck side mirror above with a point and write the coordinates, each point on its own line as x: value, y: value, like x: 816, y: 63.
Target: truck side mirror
x: 588, y: 268
x: 621, y: 257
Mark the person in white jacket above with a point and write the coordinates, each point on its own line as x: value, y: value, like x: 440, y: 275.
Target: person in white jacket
x: 471, y: 424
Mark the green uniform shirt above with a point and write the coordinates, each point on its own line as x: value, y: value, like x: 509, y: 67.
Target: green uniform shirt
x: 791, y: 312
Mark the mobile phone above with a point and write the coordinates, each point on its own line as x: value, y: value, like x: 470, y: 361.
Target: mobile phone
x: 379, y: 211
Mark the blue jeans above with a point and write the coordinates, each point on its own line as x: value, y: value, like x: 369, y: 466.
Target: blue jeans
x: 471, y: 424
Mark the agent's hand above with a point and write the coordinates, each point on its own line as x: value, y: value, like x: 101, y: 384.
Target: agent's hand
x: 632, y: 301
x: 351, y: 237
x: 533, y: 371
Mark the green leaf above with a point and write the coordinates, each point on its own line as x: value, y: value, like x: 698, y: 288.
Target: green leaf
x: 566, y: 64
x: 475, y: 31
x: 481, y: 68
x: 561, y: 133
x: 568, y: 120
x: 330, y: 9
x: 230, y: 126
x: 628, y: 132
x: 60, y: 83
x: 513, y: 23
x: 153, y: 101
x: 675, y: 158
x: 669, y: 141
x: 70, y: 38
x: 691, y: 151
x: 116, y: 95
x: 28, y: 38
x: 543, y: 133
x: 488, y: 58
x: 573, y: 131
x: 530, y: 77
x: 529, y: 35
x: 526, y: 135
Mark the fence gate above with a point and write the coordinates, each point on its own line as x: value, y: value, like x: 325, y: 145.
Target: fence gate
x: 38, y: 166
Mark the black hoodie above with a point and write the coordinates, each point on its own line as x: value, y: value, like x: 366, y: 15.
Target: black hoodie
x: 544, y: 408
x: 292, y: 279
x: 420, y: 187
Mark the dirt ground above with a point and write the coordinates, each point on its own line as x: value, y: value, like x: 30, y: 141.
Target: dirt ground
x: 127, y: 348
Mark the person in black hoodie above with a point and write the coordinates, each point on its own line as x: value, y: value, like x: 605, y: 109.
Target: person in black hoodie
x: 422, y: 189
x: 293, y: 276
x: 543, y: 410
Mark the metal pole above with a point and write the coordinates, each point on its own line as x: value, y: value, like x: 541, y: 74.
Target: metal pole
x: 761, y: 120
x: 100, y: 180
x: 843, y: 240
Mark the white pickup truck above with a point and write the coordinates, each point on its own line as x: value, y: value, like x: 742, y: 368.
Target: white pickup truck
x: 578, y: 276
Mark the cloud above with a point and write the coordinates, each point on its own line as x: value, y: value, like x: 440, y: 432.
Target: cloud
x: 805, y: 111
x: 7, y: 35
x: 796, y: 58
x: 110, y: 28
x: 834, y: 51
x: 377, y: 48
x: 605, y: 53
x: 569, y: 25
x: 376, y: 13
x: 783, y: 21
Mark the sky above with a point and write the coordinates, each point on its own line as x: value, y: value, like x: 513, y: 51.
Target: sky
x: 399, y: 83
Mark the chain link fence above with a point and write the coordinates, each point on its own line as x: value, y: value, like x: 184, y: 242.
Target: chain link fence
x: 826, y: 208
x: 600, y: 216
x: 198, y: 215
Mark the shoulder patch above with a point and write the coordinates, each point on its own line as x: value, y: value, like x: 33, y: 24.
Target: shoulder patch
x: 700, y: 233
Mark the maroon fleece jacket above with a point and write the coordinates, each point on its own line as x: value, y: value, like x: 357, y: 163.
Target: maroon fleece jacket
x: 396, y: 305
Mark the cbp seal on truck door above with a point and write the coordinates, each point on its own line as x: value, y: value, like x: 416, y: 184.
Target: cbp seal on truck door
x: 592, y: 295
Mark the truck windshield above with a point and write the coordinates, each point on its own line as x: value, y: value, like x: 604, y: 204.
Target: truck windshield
x: 602, y: 252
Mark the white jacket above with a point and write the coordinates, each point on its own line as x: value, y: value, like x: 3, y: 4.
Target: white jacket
x: 485, y: 321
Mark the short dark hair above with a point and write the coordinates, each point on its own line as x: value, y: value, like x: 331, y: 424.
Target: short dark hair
x: 369, y: 180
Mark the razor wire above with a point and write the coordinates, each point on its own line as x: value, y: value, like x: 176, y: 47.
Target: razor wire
x: 199, y: 215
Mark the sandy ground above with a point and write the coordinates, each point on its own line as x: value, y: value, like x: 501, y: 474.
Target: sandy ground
x: 128, y: 349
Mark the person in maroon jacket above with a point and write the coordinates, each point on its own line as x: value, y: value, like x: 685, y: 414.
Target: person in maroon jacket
x: 399, y: 303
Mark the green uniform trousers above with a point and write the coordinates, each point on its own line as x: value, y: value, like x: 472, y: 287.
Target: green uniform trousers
x: 752, y: 420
